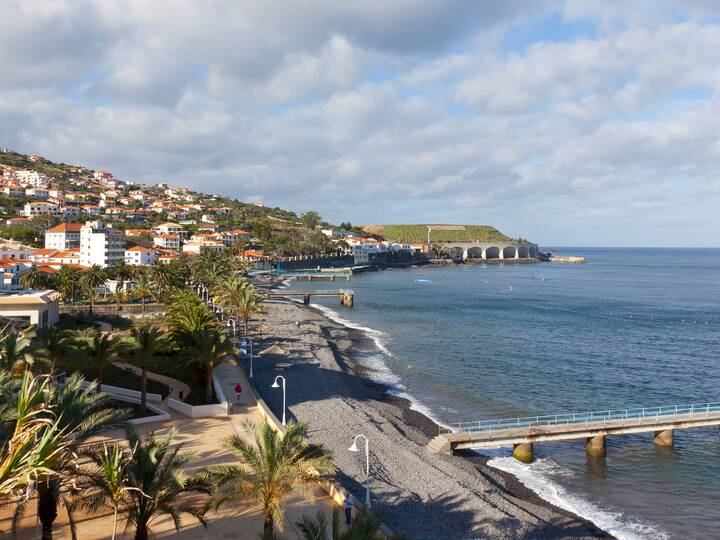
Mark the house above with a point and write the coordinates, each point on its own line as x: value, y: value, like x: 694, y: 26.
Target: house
x: 32, y: 178
x: 13, y: 191
x: 171, y: 228
x: 37, y: 193
x: 33, y: 209
x: 139, y: 256
x: 167, y: 241
x: 335, y: 233
x: 200, y: 246
x: 13, y: 221
x: 41, y: 308
x: 100, y: 244
x: 42, y: 255
x: 63, y: 236
x: 69, y: 256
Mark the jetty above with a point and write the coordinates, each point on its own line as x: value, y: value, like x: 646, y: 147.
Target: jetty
x: 592, y: 427
x: 347, y: 297
x: 315, y: 275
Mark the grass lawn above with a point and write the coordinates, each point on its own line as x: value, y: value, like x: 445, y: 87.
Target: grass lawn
x: 174, y: 365
x: 113, y: 376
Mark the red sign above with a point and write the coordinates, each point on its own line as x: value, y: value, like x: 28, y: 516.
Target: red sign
x: 238, y: 388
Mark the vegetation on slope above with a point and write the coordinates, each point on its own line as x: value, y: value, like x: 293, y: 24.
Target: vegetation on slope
x: 439, y: 233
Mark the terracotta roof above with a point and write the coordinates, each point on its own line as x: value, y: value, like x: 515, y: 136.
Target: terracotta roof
x: 141, y: 249
x: 67, y: 227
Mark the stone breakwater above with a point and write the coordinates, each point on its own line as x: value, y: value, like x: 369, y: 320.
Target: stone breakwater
x: 422, y: 495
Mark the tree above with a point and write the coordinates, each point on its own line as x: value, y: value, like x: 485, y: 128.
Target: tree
x: 275, y: 466
x: 310, y: 219
x: 91, y: 279
x: 156, y: 484
x: 33, y: 279
x: 148, y: 340
x: 68, y: 282
x: 143, y: 287
x: 107, y: 483
x: 119, y: 296
x: 365, y: 526
x: 248, y: 305
x: 123, y: 272
x: 161, y: 276
x: 186, y: 314
x: 15, y: 350
x: 101, y: 353
x: 57, y: 343
x: 209, y: 347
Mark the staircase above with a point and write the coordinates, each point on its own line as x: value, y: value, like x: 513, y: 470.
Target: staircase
x: 439, y: 445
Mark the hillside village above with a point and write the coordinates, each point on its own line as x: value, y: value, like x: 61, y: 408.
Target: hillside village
x: 59, y: 215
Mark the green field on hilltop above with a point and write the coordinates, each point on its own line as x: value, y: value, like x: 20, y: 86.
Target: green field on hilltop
x: 440, y: 233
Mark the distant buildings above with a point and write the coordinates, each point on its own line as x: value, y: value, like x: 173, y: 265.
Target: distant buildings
x: 100, y: 244
x: 63, y: 236
x: 32, y: 178
x: 139, y: 256
x: 33, y: 209
x: 167, y: 241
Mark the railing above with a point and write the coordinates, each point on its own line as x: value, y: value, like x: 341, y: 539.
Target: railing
x: 601, y: 417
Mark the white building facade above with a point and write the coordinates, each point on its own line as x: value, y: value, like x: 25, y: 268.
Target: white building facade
x: 100, y: 244
x: 63, y: 237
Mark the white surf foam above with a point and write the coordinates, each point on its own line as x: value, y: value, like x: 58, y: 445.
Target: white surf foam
x: 538, y: 477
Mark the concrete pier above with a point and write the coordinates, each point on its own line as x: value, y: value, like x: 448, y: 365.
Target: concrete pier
x: 664, y: 438
x: 523, y: 452
x: 595, y: 446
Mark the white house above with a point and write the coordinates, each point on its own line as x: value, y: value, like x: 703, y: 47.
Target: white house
x: 139, y: 256
x: 63, y: 236
x: 37, y: 193
x: 33, y: 209
x: 100, y: 244
x: 167, y: 241
x: 199, y: 246
x: 32, y: 178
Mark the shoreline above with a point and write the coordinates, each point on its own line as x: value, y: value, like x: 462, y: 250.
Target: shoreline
x: 461, y: 494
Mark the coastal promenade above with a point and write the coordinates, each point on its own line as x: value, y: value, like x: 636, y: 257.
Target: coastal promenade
x: 593, y: 427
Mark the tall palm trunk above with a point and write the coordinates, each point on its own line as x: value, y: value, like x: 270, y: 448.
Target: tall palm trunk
x: 208, y: 386
x: 115, y: 516
x: 143, y: 386
x: 141, y: 533
x: 268, y: 526
x: 143, y: 304
x: 47, y: 506
x: 92, y: 301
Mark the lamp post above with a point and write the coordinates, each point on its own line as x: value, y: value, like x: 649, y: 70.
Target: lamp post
x: 221, y: 312
x: 276, y: 385
x: 354, y: 448
x: 251, y: 364
x: 231, y: 322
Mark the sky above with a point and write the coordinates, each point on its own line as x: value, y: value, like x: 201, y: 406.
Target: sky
x: 569, y: 123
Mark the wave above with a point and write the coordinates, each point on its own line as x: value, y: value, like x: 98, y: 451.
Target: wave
x: 537, y: 477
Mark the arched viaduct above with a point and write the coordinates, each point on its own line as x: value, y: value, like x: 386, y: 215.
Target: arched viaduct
x: 494, y: 250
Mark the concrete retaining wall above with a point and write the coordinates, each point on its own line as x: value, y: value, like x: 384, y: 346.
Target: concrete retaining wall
x: 159, y: 416
x: 119, y: 391
x: 201, y: 411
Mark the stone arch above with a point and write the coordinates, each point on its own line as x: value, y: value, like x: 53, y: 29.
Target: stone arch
x: 474, y: 252
x: 524, y: 252
x: 508, y: 252
x: 492, y: 252
x: 457, y: 251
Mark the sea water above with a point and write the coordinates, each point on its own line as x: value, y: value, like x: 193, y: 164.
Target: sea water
x: 631, y: 328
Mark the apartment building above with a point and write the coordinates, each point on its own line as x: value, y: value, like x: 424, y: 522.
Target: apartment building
x: 139, y: 256
x: 63, y: 237
x: 100, y: 244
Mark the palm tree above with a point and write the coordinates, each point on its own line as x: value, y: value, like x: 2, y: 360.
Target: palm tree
x: 161, y: 276
x: 91, y: 279
x: 229, y: 292
x: 123, y: 272
x: 143, y: 287
x: 68, y: 282
x: 57, y: 344
x: 101, y: 353
x: 108, y: 482
x: 32, y: 442
x: 365, y: 526
x: 119, y: 297
x: 186, y: 314
x: 83, y: 411
x: 159, y: 486
x: 249, y: 304
x: 275, y: 466
x: 33, y: 279
x: 209, y: 347
x: 15, y: 350
x: 148, y: 340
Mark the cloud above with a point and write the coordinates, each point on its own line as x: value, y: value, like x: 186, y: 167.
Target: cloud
x: 383, y: 111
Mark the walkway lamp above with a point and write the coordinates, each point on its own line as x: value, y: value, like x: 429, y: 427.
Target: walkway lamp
x: 220, y: 312
x: 276, y: 385
x: 231, y: 322
x: 354, y: 448
x: 250, y: 342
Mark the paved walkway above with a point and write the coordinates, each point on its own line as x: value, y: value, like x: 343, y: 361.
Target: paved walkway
x: 175, y: 386
x: 204, y: 437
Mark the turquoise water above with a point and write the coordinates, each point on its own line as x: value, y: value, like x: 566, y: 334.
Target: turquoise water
x: 632, y: 328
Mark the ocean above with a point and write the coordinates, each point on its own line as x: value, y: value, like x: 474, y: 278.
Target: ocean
x: 632, y: 328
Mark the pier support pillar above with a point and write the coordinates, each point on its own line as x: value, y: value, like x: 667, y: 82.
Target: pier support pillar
x: 306, y: 299
x: 664, y: 438
x: 347, y: 300
x: 595, y: 446
x: 523, y: 452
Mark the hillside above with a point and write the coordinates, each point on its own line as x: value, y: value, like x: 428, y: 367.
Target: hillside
x: 439, y: 233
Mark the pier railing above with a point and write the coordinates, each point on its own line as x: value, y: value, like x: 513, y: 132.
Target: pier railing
x: 593, y: 417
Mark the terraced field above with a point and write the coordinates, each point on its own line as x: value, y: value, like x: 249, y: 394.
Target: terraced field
x: 439, y: 233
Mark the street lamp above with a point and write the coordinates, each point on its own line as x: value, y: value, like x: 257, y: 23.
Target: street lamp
x: 251, y: 358
x: 229, y: 323
x: 276, y: 385
x: 221, y: 312
x: 354, y: 448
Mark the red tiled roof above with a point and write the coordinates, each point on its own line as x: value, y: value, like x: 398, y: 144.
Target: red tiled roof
x: 67, y: 227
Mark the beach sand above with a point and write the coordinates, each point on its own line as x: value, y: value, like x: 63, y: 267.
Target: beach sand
x: 423, y: 495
